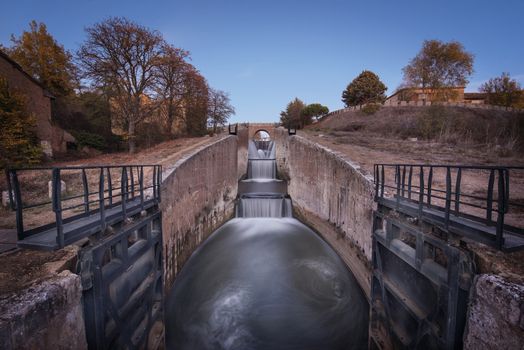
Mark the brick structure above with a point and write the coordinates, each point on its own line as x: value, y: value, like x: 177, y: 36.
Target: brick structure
x: 38, y: 102
x: 451, y: 94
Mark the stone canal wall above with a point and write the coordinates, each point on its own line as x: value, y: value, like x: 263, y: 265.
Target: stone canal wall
x: 198, y: 194
x: 331, y: 195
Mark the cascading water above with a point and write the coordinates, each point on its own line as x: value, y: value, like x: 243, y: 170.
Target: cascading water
x: 264, y: 280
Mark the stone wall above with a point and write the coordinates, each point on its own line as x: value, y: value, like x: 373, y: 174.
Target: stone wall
x: 243, y: 138
x: 330, y: 194
x: 47, y: 315
x: 38, y: 102
x: 495, y: 314
x: 198, y: 195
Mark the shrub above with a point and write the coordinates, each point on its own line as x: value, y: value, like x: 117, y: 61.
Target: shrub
x: 88, y: 139
x: 371, y: 108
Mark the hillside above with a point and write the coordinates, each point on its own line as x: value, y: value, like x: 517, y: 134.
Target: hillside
x: 454, y: 135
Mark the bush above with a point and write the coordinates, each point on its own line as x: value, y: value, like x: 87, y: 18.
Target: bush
x: 371, y: 108
x: 88, y: 139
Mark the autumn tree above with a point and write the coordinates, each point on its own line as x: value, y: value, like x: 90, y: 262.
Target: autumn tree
x: 293, y: 115
x: 502, y: 91
x: 365, y: 88
x: 171, y: 71
x: 18, y: 138
x: 43, y: 58
x: 315, y: 110
x: 195, y: 101
x: 220, y: 108
x: 439, y: 66
x: 120, y: 56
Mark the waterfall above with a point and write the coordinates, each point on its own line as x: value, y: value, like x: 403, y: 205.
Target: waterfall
x: 261, y: 169
x: 264, y: 206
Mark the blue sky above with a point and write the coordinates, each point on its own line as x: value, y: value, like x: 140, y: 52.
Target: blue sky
x: 265, y: 53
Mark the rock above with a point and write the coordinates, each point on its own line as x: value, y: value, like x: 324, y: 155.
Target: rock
x: 413, y: 139
x: 495, y: 314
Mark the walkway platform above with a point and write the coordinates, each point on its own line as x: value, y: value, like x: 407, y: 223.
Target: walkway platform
x: 82, y: 227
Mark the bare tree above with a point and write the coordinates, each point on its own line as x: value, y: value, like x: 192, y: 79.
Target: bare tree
x: 171, y: 72
x: 220, y: 108
x: 121, y: 55
x: 195, y: 102
x: 439, y: 66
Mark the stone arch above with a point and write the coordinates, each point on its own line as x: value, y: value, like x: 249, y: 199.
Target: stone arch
x: 267, y: 127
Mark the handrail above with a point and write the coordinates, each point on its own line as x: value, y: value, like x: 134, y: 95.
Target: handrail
x: 409, y: 181
x: 131, y: 186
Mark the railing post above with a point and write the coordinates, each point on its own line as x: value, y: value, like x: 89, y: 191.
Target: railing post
x: 489, y: 200
x: 501, y: 204
x: 383, y: 181
x: 159, y: 182
x: 86, y: 191
x: 57, y: 206
x: 16, y: 202
x: 457, y: 191
x: 132, y: 182
x: 410, y: 176
x: 123, y: 191
x: 376, y: 179
x: 141, y: 180
x: 421, y: 193
x: 109, y: 187
x: 397, y: 180
x: 448, y: 196
x: 430, y: 182
x: 102, y: 201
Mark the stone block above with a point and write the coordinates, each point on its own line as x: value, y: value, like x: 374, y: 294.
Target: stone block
x: 496, y: 313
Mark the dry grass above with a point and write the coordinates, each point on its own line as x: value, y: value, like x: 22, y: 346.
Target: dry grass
x: 34, y: 184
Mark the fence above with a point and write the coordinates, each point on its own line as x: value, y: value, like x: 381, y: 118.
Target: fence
x: 479, y: 194
x: 103, y: 194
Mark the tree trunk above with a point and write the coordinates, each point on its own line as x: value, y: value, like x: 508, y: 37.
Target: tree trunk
x: 131, y: 136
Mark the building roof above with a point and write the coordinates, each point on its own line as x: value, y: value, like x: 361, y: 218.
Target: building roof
x: 475, y: 95
x: 28, y: 76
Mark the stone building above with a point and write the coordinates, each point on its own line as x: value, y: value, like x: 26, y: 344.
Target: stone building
x: 447, y: 94
x: 52, y: 138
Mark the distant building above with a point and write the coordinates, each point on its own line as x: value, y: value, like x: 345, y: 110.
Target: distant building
x: 448, y: 94
x: 475, y: 98
x: 38, y: 102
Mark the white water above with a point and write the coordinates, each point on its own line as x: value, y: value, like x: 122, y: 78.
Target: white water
x: 258, y: 207
x: 261, y: 169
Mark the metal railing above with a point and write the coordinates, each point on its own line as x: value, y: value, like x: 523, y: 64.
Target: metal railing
x: 108, y: 193
x: 478, y: 193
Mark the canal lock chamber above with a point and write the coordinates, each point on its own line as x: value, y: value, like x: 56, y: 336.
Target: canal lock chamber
x: 264, y: 280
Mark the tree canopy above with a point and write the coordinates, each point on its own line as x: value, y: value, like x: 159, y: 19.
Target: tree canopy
x: 315, y: 110
x: 220, y: 108
x: 292, y: 116
x: 120, y: 55
x: 502, y: 91
x: 45, y: 60
x: 439, y: 65
x: 366, y: 88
